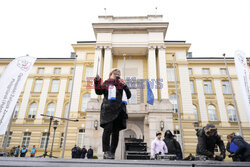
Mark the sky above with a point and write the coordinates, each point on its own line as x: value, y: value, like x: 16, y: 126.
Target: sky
x: 47, y: 28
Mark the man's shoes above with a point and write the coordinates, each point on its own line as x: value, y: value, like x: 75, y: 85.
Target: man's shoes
x: 107, y: 155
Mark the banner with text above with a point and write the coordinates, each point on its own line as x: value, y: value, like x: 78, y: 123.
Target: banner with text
x: 12, y: 82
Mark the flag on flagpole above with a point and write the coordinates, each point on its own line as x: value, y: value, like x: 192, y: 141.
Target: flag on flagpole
x: 150, y: 95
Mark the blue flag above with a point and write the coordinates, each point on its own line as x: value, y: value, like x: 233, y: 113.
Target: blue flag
x: 150, y: 95
x: 233, y: 147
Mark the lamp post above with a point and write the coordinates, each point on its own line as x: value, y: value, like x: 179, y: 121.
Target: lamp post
x: 55, y: 123
x: 96, y: 124
x: 162, y: 125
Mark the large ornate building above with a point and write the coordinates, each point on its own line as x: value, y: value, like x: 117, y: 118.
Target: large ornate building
x: 203, y: 87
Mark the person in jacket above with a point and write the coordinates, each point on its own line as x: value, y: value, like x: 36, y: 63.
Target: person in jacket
x: 239, y: 148
x: 12, y: 151
x: 207, y: 139
x: 84, y: 152
x: 33, y: 151
x: 113, y: 114
x: 172, y: 145
x: 23, y: 151
x: 78, y: 152
x: 178, y: 148
x: 17, y: 151
x: 90, y: 153
x: 74, y: 152
x: 158, y: 146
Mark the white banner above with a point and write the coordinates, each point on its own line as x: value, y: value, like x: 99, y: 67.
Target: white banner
x: 12, y: 82
x: 243, y: 79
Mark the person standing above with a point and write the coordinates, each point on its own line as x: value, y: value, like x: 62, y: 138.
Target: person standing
x: 113, y: 114
x: 33, y: 151
x: 158, y: 146
x: 23, y: 151
x: 17, y: 151
x: 90, y: 153
x: 207, y: 139
x: 12, y: 151
x: 172, y: 145
x: 74, y: 151
x: 84, y: 152
x: 78, y: 152
x: 238, y: 148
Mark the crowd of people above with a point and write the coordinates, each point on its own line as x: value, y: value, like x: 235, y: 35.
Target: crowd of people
x: 78, y: 152
x: 208, y: 138
x: 22, y: 151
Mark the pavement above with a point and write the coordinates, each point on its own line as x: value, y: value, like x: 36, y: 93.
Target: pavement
x: 46, y: 162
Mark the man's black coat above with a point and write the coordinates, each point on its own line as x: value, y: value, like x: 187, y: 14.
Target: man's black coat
x: 244, y: 148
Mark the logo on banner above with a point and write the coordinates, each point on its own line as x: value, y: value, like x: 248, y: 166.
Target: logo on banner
x: 23, y: 65
x: 241, y: 59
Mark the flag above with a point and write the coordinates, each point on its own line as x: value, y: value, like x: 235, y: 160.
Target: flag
x: 150, y: 95
x: 12, y: 82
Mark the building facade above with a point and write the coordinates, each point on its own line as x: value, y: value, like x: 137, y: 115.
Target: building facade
x: 203, y: 89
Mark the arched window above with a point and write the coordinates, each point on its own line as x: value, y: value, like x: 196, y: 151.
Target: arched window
x: 51, y: 109
x: 85, y: 99
x: 231, y: 113
x: 16, y: 109
x: 32, y: 110
x: 195, y: 113
x: 66, y: 110
x: 212, y: 113
x: 173, y: 100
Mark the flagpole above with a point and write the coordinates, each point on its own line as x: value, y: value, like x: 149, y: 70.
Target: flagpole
x: 70, y: 101
x: 178, y: 105
x: 124, y: 64
x: 234, y: 101
x: 6, y: 137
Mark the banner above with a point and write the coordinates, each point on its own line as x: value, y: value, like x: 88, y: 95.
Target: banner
x: 243, y: 79
x: 12, y: 82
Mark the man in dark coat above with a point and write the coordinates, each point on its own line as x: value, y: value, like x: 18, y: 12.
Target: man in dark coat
x: 240, y: 148
x: 172, y: 144
x: 90, y: 153
x: 78, y: 152
x: 207, y: 139
x: 74, y: 151
x: 113, y: 115
x: 84, y: 152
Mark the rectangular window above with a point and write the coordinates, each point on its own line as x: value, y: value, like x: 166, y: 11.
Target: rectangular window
x: 178, y: 135
x: 208, y: 87
x: 133, y: 99
x: 88, y: 72
x: 190, y: 72
x: 170, y: 74
x: 206, y: 71
x: 40, y: 71
x: 70, y: 85
x: 16, y: 109
x: 38, y: 85
x: 81, y: 136
x: 61, y: 140
x: 55, y: 85
x: 9, y: 140
x: 26, y: 139
x: 223, y: 71
x: 43, y: 140
x: 72, y: 70
x: 192, y: 87
x: 57, y: 71
x: 226, y: 87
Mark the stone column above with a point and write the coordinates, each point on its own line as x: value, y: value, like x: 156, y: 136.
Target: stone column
x: 163, y: 72
x: 108, y: 62
x: 152, y: 69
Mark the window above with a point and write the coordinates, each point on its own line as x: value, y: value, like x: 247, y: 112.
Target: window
x: 40, y: 71
x: 16, y: 109
x: 212, y: 113
x: 190, y: 72
x: 72, y: 70
x: 192, y: 87
x: 61, y: 140
x: 178, y: 135
x: 85, y: 99
x: 8, y: 142
x: 70, y: 85
x: 231, y: 113
x: 26, y: 139
x: 171, y: 74
x: 205, y: 71
x: 66, y: 110
x: 43, y: 140
x: 173, y: 100
x: 195, y: 113
x: 133, y: 99
x: 223, y: 71
x: 208, y: 87
x: 50, y: 109
x: 32, y: 111
x: 57, y: 71
x: 81, y: 136
x: 88, y: 72
x: 55, y: 85
x: 226, y: 87
x: 38, y: 85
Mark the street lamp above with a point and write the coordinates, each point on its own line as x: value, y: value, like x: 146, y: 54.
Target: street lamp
x: 96, y: 124
x: 162, y: 125
x: 55, y: 124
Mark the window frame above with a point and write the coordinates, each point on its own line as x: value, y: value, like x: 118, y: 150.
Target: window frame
x: 27, y: 139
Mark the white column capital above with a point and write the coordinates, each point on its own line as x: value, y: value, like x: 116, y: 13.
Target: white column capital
x: 151, y: 47
x: 98, y: 47
x: 107, y: 47
x: 162, y: 47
